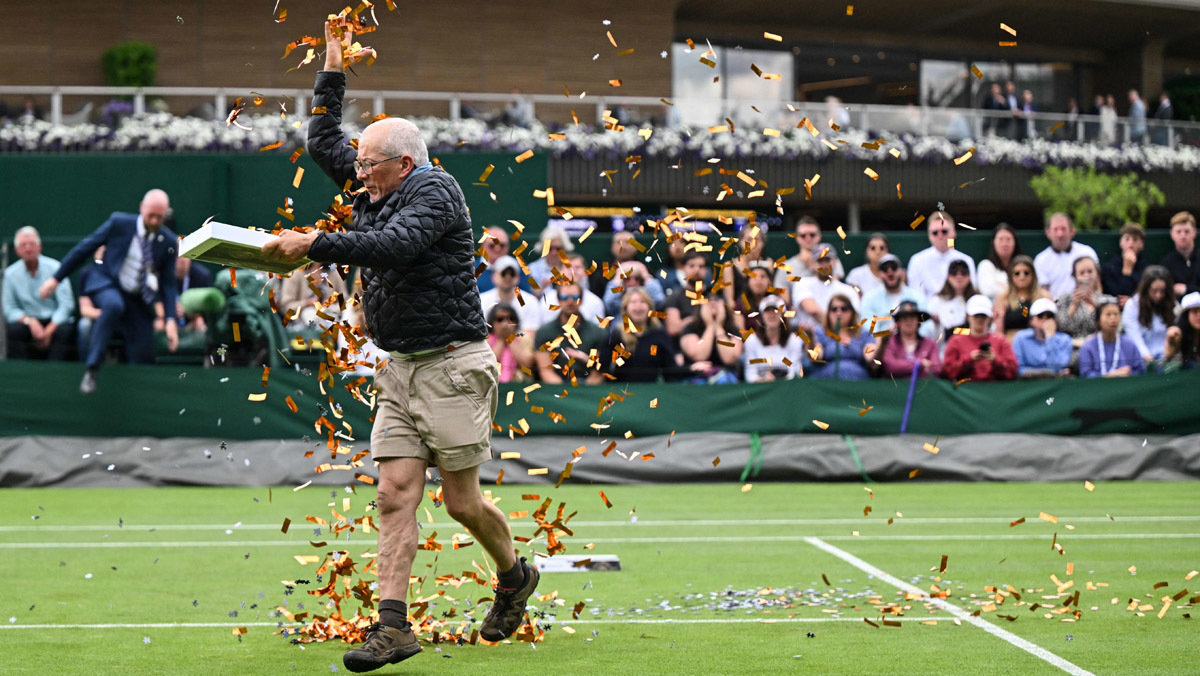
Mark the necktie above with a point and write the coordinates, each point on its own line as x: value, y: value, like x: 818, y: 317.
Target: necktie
x: 148, y: 294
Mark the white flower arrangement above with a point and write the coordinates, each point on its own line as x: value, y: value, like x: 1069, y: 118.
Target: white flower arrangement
x: 162, y: 132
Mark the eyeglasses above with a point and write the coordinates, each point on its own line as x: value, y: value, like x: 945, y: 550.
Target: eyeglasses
x: 569, y: 296
x: 839, y: 308
x: 368, y: 166
x: 889, y: 267
x: 509, y: 272
x: 1046, y: 315
x: 496, y: 245
x: 806, y: 235
x: 1022, y: 273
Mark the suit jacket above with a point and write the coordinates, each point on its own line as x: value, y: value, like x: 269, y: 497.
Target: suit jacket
x: 117, y: 234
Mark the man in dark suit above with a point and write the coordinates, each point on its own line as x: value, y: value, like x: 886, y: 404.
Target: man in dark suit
x: 138, y: 270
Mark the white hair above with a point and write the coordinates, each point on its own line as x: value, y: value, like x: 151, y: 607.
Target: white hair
x: 27, y: 230
x: 555, y: 231
x: 401, y: 137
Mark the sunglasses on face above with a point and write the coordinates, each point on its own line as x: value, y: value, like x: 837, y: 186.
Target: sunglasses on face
x: 1046, y: 315
x: 806, y: 235
x: 496, y: 245
x: 569, y: 296
x: 959, y: 273
x: 508, y: 273
x: 1022, y: 273
x: 889, y: 267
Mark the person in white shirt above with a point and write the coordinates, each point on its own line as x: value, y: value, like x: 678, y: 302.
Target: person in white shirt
x: 811, y: 294
x: 1055, y: 264
x: 878, y: 305
x: 993, y: 270
x: 773, y: 351
x: 803, y: 264
x: 866, y: 277
x: 591, y: 306
x: 927, y: 268
x: 506, y: 273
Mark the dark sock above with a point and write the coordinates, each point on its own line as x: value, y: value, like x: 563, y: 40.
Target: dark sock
x: 393, y: 613
x: 513, y: 578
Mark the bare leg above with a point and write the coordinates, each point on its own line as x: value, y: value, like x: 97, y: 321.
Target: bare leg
x: 401, y: 483
x: 483, y: 520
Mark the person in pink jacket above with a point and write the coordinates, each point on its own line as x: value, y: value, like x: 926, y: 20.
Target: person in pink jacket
x: 904, y: 347
x: 979, y: 354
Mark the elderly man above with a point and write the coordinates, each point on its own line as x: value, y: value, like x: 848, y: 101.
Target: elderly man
x: 38, y: 328
x: 138, y: 271
x: 412, y: 237
x: 1055, y: 264
x: 928, y: 268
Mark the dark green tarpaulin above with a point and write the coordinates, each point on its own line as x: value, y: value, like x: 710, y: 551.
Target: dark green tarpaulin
x: 40, y: 398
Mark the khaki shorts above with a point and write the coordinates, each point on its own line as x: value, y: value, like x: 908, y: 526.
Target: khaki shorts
x: 437, y: 407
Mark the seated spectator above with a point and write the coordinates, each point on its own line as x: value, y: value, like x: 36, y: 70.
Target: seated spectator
x: 1183, y: 262
x: 804, y: 263
x: 905, y: 348
x: 1149, y: 312
x: 843, y: 350
x: 622, y: 252
x: 758, y: 286
x: 592, y: 306
x: 632, y: 274
x: 866, y: 277
x: 568, y: 346
x: 811, y: 295
x: 711, y: 346
x: 513, y: 349
x: 674, y: 273
x: 752, y: 253
x: 639, y: 349
x: 1011, y: 312
x: 1121, y: 274
x: 1183, y: 339
x: 979, y: 354
x: 190, y: 276
x: 1109, y: 353
x: 495, y: 244
x: 993, y: 271
x: 772, y: 351
x: 1042, y: 351
x: 303, y: 295
x: 949, y: 306
x: 506, y: 273
x: 928, y: 268
x: 1077, y: 309
x: 38, y: 328
x: 680, y: 306
x: 877, y: 305
x: 1053, y: 264
x: 518, y: 112
x: 553, y: 245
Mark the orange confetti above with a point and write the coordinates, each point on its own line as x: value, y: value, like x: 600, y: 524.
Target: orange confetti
x: 604, y: 497
x: 272, y: 146
x: 524, y: 156
x: 822, y: 425
x: 773, y: 36
x: 257, y: 396
x: 1089, y: 486
x: 1048, y: 517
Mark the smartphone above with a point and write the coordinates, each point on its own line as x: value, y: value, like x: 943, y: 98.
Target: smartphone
x: 985, y: 346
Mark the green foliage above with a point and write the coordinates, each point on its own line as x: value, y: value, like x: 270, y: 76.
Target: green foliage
x: 1094, y: 200
x: 131, y: 64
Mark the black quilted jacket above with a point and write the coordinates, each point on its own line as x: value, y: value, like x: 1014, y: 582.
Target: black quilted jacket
x: 414, y: 246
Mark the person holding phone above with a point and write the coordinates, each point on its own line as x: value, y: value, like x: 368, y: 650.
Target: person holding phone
x: 979, y: 354
x: 1076, y: 310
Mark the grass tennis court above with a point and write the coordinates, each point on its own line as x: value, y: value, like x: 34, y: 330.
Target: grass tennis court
x: 714, y: 579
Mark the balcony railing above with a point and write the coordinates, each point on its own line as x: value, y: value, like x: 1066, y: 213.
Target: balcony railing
x: 554, y: 109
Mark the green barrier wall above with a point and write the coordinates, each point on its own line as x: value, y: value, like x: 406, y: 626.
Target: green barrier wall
x: 158, y: 401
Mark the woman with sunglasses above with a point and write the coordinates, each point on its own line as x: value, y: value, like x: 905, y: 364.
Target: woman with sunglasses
x: 948, y: 307
x: 513, y: 350
x: 866, y: 277
x: 1042, y: 350
x: 1013, y: 305
x: 993, y: 271
x: 842, y: 348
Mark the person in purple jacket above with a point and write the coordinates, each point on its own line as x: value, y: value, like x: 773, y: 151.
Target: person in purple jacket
x: 1109, y: 353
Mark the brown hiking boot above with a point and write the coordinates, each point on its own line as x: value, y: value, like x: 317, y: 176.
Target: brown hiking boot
x: 384, y: 645
x: 508, y: 608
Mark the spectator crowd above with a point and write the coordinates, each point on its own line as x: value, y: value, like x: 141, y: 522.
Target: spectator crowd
x: 562, y: 318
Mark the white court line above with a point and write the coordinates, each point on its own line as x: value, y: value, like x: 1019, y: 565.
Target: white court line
x: 644, y: 523
x: 1002, y: 634
x: 343, y: 544
x: 693, y: 620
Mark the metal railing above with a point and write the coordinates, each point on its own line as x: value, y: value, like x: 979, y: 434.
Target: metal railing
x: 551, y: 109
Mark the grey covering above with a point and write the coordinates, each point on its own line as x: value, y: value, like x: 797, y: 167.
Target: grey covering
x: 131, y: 461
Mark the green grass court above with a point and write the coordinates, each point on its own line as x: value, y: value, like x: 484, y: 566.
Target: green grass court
x: 715, y: 579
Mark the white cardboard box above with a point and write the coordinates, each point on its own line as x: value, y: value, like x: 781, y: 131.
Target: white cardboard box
x: 235, y: 247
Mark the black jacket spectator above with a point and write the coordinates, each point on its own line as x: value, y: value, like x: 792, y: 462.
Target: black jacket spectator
x: 1183, y: 270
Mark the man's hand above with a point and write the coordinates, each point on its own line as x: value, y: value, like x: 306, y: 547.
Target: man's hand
x: 1180, y: 290
x: 35, y: 329
x: 290, y: 245
x: 339, y: 36
x: 172, y: 329
x: 48, y: 288
x: 43, y: 341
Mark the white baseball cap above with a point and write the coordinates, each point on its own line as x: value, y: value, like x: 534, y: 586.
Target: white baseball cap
x: 1042, y: 305
x: 1190, y: 301
x: 979, y: 305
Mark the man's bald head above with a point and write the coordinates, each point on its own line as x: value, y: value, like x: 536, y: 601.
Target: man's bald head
x: 154, y: 207
x: 398, y: 136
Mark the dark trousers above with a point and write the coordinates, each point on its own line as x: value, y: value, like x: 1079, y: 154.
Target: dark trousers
x: 130, y: 314
x: 22, y: 346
